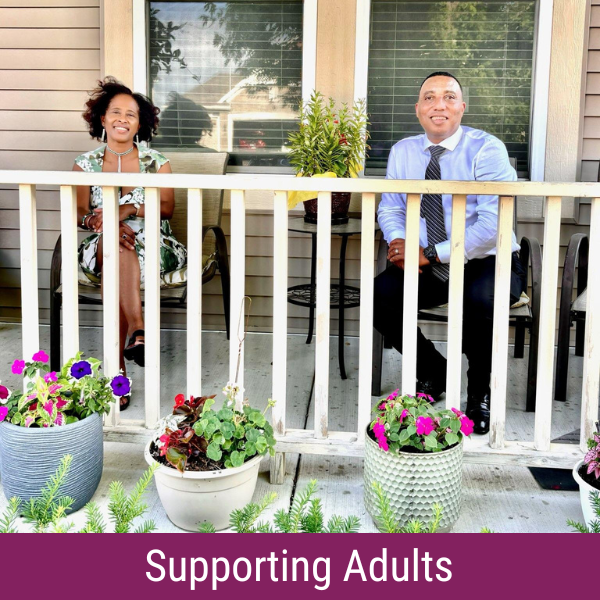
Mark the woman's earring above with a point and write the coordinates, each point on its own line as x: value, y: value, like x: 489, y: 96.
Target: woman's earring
x: 137, y: 139
x: 103, y: 134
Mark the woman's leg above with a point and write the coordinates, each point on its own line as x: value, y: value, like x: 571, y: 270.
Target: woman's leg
x: 130, y: 299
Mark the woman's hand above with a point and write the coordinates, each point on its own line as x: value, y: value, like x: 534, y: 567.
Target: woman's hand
x: 126, y: 237
x: 126, y: 211
x: 96, y: 221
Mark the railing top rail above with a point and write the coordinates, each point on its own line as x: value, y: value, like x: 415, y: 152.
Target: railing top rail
x: 285, y: 183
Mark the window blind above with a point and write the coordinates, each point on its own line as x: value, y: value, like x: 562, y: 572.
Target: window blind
x: 487, y: 45
x: 227, y: 76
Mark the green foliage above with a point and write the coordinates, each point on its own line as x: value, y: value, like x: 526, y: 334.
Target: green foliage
x: 9, y: 519
x: 304, y: 516
x: 226, y: 436
x: 58, y: 398
x: 594, y: 526
x: 47, y: 512
x: 387, y: 523
x: 413, y: 421
x: 329, y: 142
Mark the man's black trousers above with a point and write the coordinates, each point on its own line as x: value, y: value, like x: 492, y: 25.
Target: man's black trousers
x: 478, y: 311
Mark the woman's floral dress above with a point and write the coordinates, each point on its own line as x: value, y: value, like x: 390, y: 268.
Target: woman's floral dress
x: 173, y: 255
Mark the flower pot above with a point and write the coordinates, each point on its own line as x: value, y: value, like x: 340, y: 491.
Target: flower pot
x: 193, y: 497
x: 584, y: 494
x: 340, y: 204
x: 413, y: 482
x: 30, y: 456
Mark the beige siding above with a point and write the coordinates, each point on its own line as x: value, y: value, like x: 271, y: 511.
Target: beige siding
x: 49, y: 57
x: 591, y: 125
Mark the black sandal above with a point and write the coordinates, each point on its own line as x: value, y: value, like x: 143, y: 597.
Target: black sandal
x: 124, y: 406
x: 135, y: 352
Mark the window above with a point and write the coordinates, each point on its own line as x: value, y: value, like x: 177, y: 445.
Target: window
x: 227, y: 76
x: 488, y: 45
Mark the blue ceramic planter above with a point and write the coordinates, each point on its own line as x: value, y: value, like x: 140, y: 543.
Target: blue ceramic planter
x: 30, y: 456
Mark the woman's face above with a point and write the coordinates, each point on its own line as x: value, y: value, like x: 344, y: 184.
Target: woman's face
x: 122, y: 119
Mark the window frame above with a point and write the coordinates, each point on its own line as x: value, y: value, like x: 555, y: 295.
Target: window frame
x: 540, y: 80
x: 140, y: 13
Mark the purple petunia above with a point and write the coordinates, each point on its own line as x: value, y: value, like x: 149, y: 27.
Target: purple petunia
x: 18, y: 366
x: 40, y: 356
x: 121, y: 386
x: 81, y: 369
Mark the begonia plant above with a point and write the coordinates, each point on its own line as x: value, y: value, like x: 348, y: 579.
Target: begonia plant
x: 56, y: 398
x: 195, y: 431
x: 592, y: 457
x: 414, y: 424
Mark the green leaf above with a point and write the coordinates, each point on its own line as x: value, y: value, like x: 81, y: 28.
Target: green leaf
x: 214, y: 452
x: 239, y: 433
x: 207, y: 404
x: 411, y: 430
x: 218, y: 438
x: 404, y: 435
x: 431, y: 441
x: 227, y: 429
x: 455, y: 425
x: 237, y: 458
x: 451, y: 438
x: 225, y: 414
x: 210, y: 428
x: 176, y: 458
x: 261, y: 445
x: 250, y: 449
x: 199, y: 427
x: 252, y: 435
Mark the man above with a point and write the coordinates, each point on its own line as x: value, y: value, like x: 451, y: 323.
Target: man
x: 447, y: 150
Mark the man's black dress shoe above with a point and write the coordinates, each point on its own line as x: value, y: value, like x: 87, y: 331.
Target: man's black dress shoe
x: 478, y: 410
x: 430, y: 388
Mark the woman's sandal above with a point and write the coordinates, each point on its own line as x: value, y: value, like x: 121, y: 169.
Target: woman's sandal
x: 125, y: 404
x: 135, y: 351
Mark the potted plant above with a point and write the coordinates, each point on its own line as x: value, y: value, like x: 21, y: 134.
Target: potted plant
x: 327, y: 144
x: 60, y: 412
x: 414, y: 451
x: 587, y: 474
x: 209, y: 458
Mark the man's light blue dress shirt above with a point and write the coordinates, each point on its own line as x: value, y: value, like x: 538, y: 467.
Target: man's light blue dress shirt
x: 471, y: 155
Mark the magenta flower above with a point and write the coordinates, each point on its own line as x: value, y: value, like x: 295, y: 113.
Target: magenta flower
x: 426, y: 396
x: 379, y: 431
x: 466, y: 426
x: 49, y: 407
x: 50, y: 377
x: 18, y: 366
x: 3, y: 412
x: 40, y: 356
x: 54, y: 388
x: 382, y: 406
x: 164, y: 439
x: 424, y: 425
x: 393, y: 395
x: 457, y: 412
x: 4, y: 393
x: 60, y: 402
x: 404, y: 414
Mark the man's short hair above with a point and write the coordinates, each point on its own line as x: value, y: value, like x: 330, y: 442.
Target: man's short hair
x: 440, y: 74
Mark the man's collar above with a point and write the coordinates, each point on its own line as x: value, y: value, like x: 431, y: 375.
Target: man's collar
x: 449, y: 143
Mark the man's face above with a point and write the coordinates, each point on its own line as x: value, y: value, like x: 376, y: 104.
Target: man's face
x: 440, y: 108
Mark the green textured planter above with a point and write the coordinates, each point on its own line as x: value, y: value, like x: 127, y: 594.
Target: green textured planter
x: 413, y: 482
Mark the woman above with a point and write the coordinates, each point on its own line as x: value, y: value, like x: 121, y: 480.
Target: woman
x: 122, y: 119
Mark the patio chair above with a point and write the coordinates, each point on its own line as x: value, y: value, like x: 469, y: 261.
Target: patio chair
x: 214, y: 246
x: 522, y: 318
x: 571, y: 310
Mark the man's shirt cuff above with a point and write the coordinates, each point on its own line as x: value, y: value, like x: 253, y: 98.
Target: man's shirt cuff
x: 443, y: 251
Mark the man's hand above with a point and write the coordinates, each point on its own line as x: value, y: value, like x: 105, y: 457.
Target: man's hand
x: 396, y: 254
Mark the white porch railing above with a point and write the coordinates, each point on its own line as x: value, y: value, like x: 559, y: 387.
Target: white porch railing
x: 320, y: 440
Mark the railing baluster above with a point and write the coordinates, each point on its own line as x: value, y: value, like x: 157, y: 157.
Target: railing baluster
x: 194, y: 294
x: 544, y: 396
x: 455, y: 301
x: 591, y: 352
x: 280, y: 276
x: 367, y: 273
x: 238, y: 285
x: 70, y: 286
x: 152, y: 302
x: 322, y: 314
x: 30, y: 322
x: 411, y: 295
x: 110, y: 289
x: 500, y: 322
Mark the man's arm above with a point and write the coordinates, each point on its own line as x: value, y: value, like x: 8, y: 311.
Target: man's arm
x: 391, y: 214
x: 491, y: 164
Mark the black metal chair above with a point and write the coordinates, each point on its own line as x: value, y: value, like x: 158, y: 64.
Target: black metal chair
x: 214, y: 246
x: 571, y: 311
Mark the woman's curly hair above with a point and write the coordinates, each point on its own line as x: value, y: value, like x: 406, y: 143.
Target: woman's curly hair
x: 98, y: 103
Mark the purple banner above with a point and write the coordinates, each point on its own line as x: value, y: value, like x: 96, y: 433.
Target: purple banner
x: 300, y: 566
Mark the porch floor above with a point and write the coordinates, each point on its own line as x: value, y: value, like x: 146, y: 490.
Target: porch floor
x: 503, y: 498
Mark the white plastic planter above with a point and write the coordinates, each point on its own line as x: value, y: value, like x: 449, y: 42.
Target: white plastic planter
x: 194, y: 497
x: 584, y: 493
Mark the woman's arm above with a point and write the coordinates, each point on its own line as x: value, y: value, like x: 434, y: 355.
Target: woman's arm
x: 83, y: 199
x: 167, y: 201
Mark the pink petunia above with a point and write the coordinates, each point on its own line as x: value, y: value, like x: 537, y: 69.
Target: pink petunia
x: 40, y: 356
x: 18, y: 367
x: 466, y: 426
x: 3, y: 412
x: 50, y: 377
x: 49, y: 407
x: 54, y: 388
x: 424, y: 425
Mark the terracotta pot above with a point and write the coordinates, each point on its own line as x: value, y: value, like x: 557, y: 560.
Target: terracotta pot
x: 340, y: 204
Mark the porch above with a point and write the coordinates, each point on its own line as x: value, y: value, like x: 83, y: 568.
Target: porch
x: 504, y: 497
